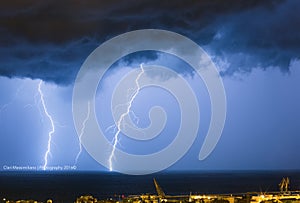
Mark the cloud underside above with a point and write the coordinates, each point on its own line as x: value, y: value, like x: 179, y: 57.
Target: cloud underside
x: 50, y: 40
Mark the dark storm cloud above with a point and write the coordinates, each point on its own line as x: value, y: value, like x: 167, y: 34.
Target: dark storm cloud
x: 260, y: 37
x: 50, y: 39
x: 49, y: 62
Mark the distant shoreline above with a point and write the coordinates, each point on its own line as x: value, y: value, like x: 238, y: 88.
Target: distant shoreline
x: 67, y: 186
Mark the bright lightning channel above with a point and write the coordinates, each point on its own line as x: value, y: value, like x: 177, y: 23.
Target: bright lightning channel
x: 48, y: 151
x: 82, y: 132
x: 123, y: 116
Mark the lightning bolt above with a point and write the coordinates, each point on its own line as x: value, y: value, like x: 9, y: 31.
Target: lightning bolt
x: 123, y: 116
x: 48, y: 152
x: 5, y: 106
x: 82, y: 132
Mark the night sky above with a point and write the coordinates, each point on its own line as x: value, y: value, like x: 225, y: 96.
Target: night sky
x: 254, y: 44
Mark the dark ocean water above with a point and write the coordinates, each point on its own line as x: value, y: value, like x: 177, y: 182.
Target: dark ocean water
x: 65, y: 187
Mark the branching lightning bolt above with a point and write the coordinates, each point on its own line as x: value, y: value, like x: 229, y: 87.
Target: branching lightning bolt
x: 48, y: 152
x: 123, y: 116
x: 82, y: 132
x: 5, y: 106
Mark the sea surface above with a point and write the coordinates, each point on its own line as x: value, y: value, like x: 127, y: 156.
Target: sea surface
x: 66, y: 187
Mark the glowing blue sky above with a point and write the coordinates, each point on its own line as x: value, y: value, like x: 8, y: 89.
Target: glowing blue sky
x: 255, y: 45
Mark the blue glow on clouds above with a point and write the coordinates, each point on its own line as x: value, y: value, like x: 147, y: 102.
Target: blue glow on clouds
x: 261, y: 130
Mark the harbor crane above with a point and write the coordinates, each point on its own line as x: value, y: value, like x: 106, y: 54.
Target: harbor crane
x: 284, y: 184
